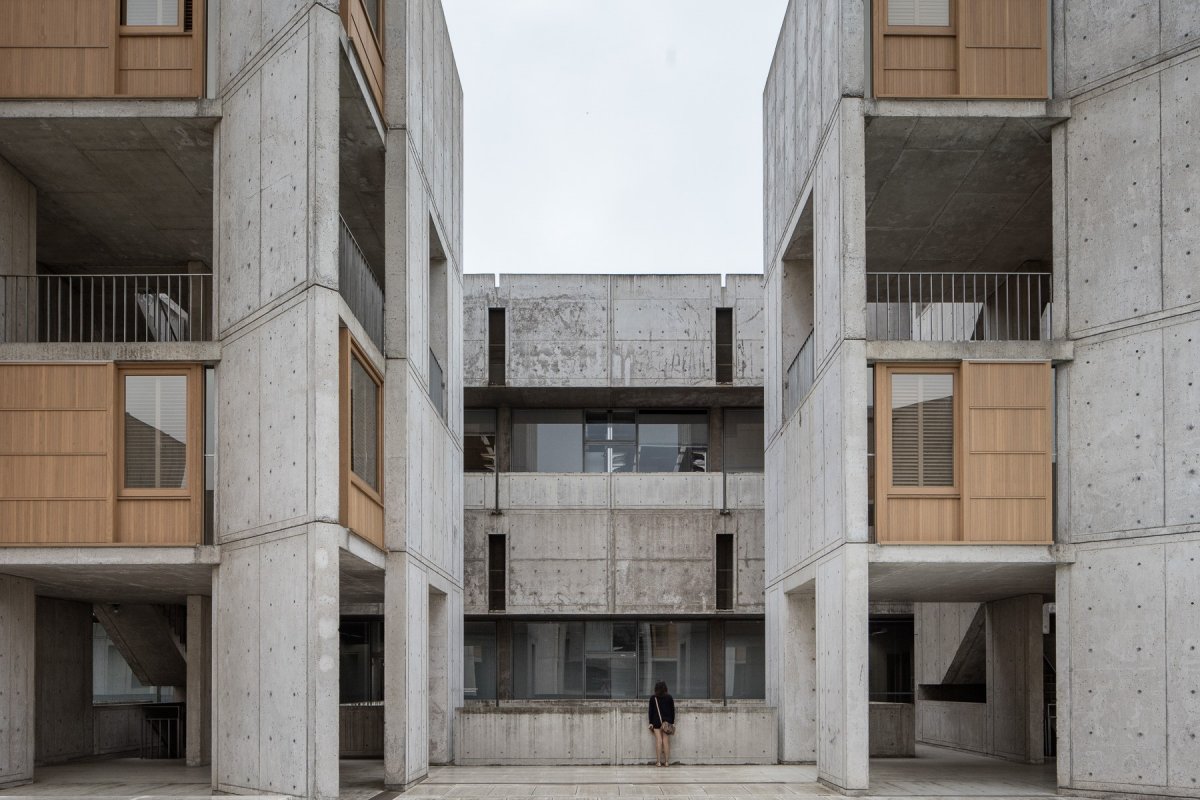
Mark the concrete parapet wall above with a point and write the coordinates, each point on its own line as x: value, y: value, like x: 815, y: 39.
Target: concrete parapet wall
x: 117, y: 728
x: 581, y: 733
x: 892, y: 730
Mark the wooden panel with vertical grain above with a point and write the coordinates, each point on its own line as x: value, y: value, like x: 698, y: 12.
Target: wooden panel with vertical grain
x: 77, y: 49
x: 365, y: 515
x: 1007, y: 491
x: 366, y: 45
x: 152, y: 521
x: 992, y: 49
x: 923, y: 520
x: 361, y: 508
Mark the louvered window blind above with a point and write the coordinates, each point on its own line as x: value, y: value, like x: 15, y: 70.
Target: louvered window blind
x: 922, y: 429
x: 150, y: 12
x: 155, y: 431
x: 930, y: 13
x: 364, y: 424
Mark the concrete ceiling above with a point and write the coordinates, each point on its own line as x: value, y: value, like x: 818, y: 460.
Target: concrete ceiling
x: 958, y: 582
x: 957, y: 195
x: 617, y: 397
x: 114, y: 575
x: 118, y: 191
x: 360, y: 580
x: 361, y: 170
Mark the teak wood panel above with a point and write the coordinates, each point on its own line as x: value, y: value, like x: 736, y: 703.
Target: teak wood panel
x: 991, y: 49
x: 79, y: 49
x: 60, y: 462
x: 361, y: 507
x: 366, y: 44
x: 1002, y: 452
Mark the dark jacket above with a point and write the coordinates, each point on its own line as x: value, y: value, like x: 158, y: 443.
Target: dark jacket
x: 667, y: 704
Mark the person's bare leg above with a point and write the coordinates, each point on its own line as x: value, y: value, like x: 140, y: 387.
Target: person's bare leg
x: 666, y: 740
x: 659, y: 738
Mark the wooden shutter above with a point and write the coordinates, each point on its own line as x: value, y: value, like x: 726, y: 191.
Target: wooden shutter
x: 922, y: 407
x: 928, y: 13
x: 1008, y: 440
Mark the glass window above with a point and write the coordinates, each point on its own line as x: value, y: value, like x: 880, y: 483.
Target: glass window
x: 479, y: 660
x: 364, y: 424
x: 548, y: 660
x: 361, y: 660
x: 890, y: 660
x: 611, y: 659
x: 744, y: 442
x: 871, y: 452
x: 155, y: 431
x: 610, y: 441
x: 675, y: 652
x: 210, y: 452
x: 372, y: 7
x: 745, y: 660
x: 922, y: 429
x: 112, y: 679
x: 150, y: 12
x: 672, y: 441
x: 547, y: 440
x: 479, y: 440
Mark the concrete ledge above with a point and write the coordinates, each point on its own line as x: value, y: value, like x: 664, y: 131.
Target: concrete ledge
x: 612, y: 733
x: 1056, y: 350
x: 108, y: 108
x: 108, y: 555
x: 962, y: 554
x: 1030, y: 109
x: 208, y: 352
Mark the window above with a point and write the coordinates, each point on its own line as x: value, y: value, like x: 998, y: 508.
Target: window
x: 155, y: 431
x: 437, y: 311
x: 922, y: 13
x: 672, y: 441
x: 547, y: 660
x: 497, y: 572
x: 745, y: 660
x: 724, y: 345
x: 479, y: 660
x: 112, y: 679
x: 922, y: 429
x: 210, y: 452
x: 724, y: 571
x: 157, y: 13
x: 744, y: 442
x: 610, y: 441
x: 890, y: 659
x: 364, y: 423
x: 496, y: 346
x: 361, y: 660
x: 372, y: 9
x: 479, y: 440
x: 675, y: 652
x: 547, y: 440
x: 871, y: 452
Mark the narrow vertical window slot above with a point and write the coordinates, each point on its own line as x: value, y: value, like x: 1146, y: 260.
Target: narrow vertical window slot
x: 724, y: 571
x: 497, y: 344
x: 724, y: 345
x: 497, y: 554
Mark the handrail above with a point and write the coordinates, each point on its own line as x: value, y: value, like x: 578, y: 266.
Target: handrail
x: 358, y: 286
x: 959, y: 306
x: 115, y: 308
x: 801, y: 374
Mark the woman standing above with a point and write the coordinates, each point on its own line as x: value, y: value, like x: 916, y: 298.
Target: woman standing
x: 662, y: 723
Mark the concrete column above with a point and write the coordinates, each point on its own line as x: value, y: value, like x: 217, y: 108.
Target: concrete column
x: 843, y: 714
x: 275, y: 640
x: 17, y: 624
x: 199, y: 680
x: 405, y: 683
x: 1014, y: 678
x: 798, y: 678
x: 63, y: 680
x: 439, y: 678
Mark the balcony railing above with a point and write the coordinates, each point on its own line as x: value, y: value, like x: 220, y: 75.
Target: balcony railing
x: 799, y: 379
x: 105, y: 308
x: 358, y: 285
x: 959, y: 306
x: 437, y: 385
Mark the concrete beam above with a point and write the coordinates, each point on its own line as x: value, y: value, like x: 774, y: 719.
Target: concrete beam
x: 1024, y: 109
x: 203, y: 352
x: 1057, y: 351
x: 109, y: 109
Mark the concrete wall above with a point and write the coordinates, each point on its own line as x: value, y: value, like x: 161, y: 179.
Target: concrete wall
x: 63, y: 725
x: 18, y: 224
x: 117, y: 729
x: 616, y: 544
x: 613, y: 330
x: 893, y: 730
x: 612, y: 733
x: 17, y: 691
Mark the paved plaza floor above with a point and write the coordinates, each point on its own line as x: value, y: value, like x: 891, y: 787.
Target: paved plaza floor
x: 935, y: 773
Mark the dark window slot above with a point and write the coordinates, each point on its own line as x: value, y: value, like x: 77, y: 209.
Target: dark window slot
x: 497, y: 552
x: 724, y: 571
x: 724, y: 345
x: 496, y: 347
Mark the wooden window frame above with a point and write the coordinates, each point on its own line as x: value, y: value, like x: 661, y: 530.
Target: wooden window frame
x: 883, y: 434
x: 194, y: 470
x: 154, y: 30
x: 350, y: 349
x: 886, y: 29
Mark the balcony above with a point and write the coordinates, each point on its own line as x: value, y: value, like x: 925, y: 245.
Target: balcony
x: 963, y: 49
x: 101, y: 49
x: 799, y: 378
x: 119, y: 308
x: 959, y: 306
x: 358, y: 285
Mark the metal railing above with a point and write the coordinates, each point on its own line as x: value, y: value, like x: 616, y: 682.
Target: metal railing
x: 959, y: 306
x: 799, y: 378
x: 156, y: 307
x: 437, y: 385
x: 358, y: 285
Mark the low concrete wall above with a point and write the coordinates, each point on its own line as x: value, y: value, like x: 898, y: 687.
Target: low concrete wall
x: 578, y: 733
x: 360, y: 730
x: 962, y: 726
x: 117, y: 728
x: 893, y: 730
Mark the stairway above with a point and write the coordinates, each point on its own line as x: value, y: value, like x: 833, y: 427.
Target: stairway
x: 151, y: 638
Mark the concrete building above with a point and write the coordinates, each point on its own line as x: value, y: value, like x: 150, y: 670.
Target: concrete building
x: 230, y: 401
x: 982, y: 273
x: 613, y: 496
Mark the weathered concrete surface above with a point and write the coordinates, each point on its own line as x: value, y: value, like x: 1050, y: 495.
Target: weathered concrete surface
x: 612, y: 733
x: 18, y: 223
x: 114, y: 574
x: 199, y: 680
x: 117, y: 728
x: 63, y: 679
x: 146, y: 641
x: 893, y: 730
x: 17, y: 688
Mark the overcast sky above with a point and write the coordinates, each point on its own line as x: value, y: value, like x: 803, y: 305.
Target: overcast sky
x: 613, y: 135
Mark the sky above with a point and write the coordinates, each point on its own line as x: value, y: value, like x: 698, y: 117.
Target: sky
x: 613, y: 135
